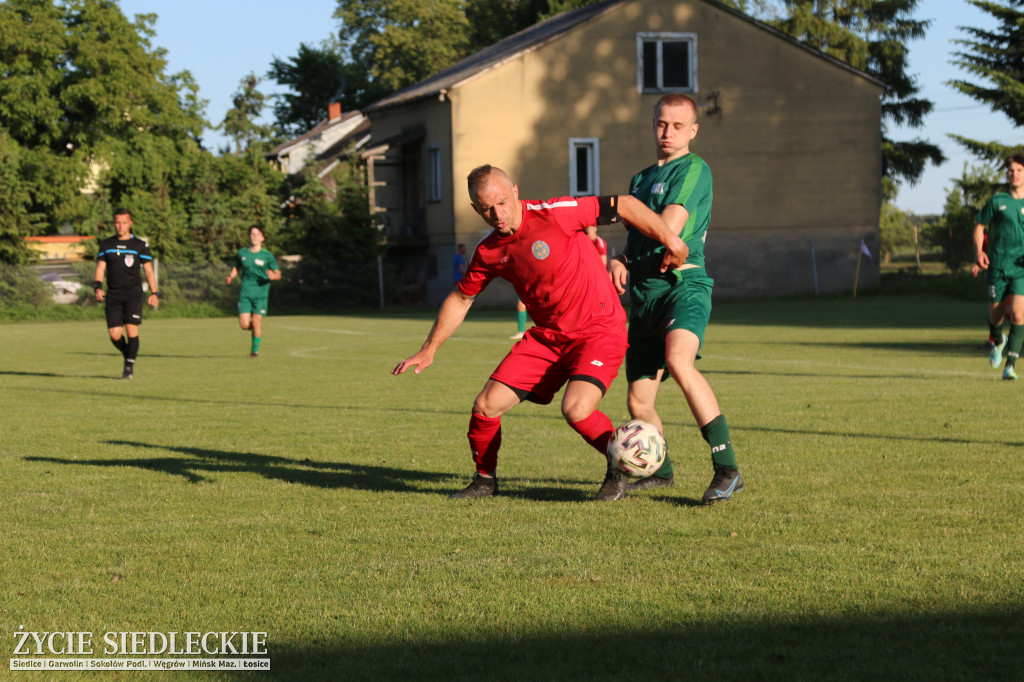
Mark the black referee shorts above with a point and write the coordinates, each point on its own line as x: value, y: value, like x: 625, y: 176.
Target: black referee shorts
x: 120, y: 313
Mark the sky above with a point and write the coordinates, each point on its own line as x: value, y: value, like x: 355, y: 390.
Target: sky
x: 221, y: 42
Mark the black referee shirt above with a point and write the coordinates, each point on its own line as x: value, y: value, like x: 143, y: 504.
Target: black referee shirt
x: 124, y: 258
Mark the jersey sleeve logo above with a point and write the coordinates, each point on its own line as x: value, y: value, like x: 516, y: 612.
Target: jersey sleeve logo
x: 658, y: 188
x: 541, y: 250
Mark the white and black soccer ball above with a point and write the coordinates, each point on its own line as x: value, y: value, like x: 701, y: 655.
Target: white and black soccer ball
x: 637, y: 449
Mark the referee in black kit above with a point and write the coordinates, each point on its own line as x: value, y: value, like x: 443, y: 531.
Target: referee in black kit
x: 121, y: 258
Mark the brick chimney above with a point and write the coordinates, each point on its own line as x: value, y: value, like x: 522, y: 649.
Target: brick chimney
x: 333, y: 111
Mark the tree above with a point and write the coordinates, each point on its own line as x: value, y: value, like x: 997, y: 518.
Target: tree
x: 240, y: 121
x: 872, y: 35
x: 995, y: 56
x: 16, y: 220
x: 955, y: 230
x: 90, y: 121
x: 315, y: 76
x: 93, y: 116
x: 400, y: 42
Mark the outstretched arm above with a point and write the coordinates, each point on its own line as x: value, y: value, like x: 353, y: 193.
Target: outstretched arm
x: 453, y: 312
x: 652, y: 225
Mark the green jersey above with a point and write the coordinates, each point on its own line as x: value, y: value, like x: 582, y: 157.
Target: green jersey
x: 252, y: 267
x: 685, y: 181
x: 1004, y: 217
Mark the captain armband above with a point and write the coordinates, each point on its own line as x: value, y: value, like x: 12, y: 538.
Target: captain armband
x: 609, y: 214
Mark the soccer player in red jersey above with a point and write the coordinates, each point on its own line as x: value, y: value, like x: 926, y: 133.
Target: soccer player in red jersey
x: 579, y: 337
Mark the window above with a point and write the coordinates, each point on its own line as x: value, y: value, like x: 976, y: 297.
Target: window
x: 434, y: 172
x: 584, y: 166
x: 666, y: 62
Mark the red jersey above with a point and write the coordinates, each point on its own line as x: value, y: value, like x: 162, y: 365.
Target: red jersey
x: 550, y: 262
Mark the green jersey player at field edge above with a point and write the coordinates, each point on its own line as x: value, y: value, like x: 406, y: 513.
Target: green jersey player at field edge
x: 258, y: 267
x: 1003, y: 217
x: 670, y: 310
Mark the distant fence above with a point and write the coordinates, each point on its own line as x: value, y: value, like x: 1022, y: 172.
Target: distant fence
x: 305, y: 284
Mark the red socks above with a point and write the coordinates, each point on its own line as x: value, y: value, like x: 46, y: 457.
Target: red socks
x: 485, y: 437
x: 484, y: 440
x: 597, y: 430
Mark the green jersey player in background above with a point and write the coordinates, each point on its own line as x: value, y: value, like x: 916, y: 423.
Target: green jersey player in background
x: 670, y: 310
x: 1003, y: 216
x: 258, y: 267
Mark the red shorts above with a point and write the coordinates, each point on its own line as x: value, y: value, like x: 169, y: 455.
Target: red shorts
x: 544, y: 360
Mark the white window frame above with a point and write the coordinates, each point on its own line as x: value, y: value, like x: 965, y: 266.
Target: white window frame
x: 593, y: 170
x: 660, y: 39
x: 434, y: 191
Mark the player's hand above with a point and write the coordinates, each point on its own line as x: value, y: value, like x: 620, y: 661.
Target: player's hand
x: 676, y: 253
x: 619, y: 274
x: 975, y: 270
x: 420, y: 361
x: 100, y: 295
x: 982, y: 261
x: 227, y: 280
x: 154, y: 300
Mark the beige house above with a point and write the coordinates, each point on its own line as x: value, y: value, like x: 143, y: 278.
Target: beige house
x: 792, y: 137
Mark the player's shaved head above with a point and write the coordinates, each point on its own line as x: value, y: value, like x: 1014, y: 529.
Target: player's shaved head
x: 481, y: 174
x: 674, y: 99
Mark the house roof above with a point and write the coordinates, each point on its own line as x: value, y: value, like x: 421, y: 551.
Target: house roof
x: 320, y: 128
x: 546, y: 31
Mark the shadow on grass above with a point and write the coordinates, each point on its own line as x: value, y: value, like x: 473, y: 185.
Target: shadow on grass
x: 941, y: 646
x: 198, y: 463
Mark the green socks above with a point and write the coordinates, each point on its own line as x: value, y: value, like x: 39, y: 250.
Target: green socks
x: 256, y: 343
x: 1014, y: 344
x: 716, y: 433
x: 521, y: 320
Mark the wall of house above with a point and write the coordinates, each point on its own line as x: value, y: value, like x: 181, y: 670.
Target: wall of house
x: 430, y: 245
x: 795, y: 147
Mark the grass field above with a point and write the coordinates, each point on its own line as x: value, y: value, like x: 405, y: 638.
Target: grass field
x: 304, y: 494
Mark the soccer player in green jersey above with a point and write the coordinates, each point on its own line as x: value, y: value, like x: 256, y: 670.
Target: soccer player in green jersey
x: 670, y: 310
x: 1003, y: 217
x: 257, y: 267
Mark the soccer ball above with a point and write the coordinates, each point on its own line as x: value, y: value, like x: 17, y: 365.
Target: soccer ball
x: 637, y: 449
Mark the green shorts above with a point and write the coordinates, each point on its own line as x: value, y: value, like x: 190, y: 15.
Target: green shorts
x: 687, y: 305
x: 1002, y: 283
x: 254, y: 304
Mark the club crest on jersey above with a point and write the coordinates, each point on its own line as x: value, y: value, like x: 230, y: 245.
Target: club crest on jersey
x: 541, y: 250
x: 129, y: 259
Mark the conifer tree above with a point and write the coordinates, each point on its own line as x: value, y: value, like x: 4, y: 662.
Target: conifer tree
x: 996, y: 57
